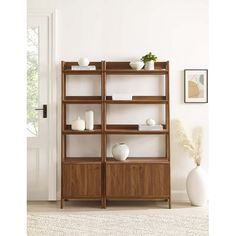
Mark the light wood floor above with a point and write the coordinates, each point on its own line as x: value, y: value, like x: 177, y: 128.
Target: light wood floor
x: 82, y: 206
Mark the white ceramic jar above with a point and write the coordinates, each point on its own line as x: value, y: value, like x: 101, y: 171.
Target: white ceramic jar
x: 196, y: 186
x: 83, y: 61
x: 149, y: 65
x: 78, y: 124
x: 89, y: 120
x: 150, y: 122
x: 120, y: 151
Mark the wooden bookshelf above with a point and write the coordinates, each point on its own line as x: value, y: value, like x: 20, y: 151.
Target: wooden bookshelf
x: 103, y: 177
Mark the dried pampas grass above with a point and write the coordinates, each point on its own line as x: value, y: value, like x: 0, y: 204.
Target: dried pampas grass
x: 194, y: 146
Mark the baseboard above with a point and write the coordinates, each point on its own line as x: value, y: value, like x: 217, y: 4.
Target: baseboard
x: 179, y: 196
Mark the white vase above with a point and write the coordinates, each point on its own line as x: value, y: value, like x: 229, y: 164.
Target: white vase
x: 150, y: 122
x: 83, y: 61
x: 78, y: 124
x: 196, y: 186
x: 120, y: 151
x: 149, y: 65
x: 89, y: 120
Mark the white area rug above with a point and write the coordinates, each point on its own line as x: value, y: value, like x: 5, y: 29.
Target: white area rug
x: 176, y: 222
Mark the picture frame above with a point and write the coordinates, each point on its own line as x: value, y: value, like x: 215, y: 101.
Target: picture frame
x: 195, y: 86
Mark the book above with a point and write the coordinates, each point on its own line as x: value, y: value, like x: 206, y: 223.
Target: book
x: 83, y: 67
x: 144, y: 127
x: 122, y: 96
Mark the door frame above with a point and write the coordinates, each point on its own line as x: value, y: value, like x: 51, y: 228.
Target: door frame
x: 52, y: 100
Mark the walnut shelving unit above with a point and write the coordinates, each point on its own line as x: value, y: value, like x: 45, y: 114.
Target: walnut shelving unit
x: 103, y: 178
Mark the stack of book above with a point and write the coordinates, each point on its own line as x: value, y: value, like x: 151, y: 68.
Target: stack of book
x: 83, y: 67
x: 144, y: 127
x: 122, y: 96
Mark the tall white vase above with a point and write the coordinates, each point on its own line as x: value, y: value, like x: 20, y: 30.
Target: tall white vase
x: 89, y: 120
x: 196, y: 186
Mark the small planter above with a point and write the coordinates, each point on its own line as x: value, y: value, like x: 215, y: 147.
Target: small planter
x: 149, y: 65
x: 149, y: 60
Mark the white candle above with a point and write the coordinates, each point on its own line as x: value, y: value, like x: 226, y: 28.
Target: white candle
x: 89, y: 120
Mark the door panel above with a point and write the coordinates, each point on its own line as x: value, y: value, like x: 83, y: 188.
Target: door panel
x: 81, y: 180
x: 37, y: 95
x: 137, y: 180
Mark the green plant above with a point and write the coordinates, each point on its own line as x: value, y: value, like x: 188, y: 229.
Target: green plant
x: 149, y: 57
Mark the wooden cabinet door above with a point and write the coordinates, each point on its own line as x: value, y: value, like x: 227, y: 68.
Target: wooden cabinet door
x: 149, y: 180
x: 81, y: 180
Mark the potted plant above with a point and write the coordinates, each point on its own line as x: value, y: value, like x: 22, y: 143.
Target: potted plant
x: 196, y: 184
x: 149, y: 60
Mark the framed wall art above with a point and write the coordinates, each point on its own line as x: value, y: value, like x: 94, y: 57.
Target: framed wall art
x: 196, y: 86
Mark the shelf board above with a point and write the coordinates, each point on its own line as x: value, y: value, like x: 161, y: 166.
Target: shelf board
x: 123, y: 67
x: 69, y: 131
x: 83, y: 160
x: 82, y: 72
x: 136, y: 72
x: 139, y: 100
x: 130, y: 129
x: 134, y: 160
x: 82, y: 100
x: 117, y: 72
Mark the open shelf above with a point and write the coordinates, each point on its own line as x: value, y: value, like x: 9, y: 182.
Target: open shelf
x: 82, y: 72
x: 136, y: 72
x: 131, y: 129
x: 67, y: 69
x: 131, y: 160
x: 82, y: 100
x: 69, y: 131
x: 125, y: 69
x: 81, y: 160
x: 139, y: 100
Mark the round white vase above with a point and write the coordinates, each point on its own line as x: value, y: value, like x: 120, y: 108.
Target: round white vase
x: 196, y: 186
x: 78, y: 124
x: 83, y: 61
x: 149, y: 65
x: 150, y: 122
x: 120, y: 151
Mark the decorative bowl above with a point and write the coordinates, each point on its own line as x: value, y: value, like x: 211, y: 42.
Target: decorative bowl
x: 136, y: 65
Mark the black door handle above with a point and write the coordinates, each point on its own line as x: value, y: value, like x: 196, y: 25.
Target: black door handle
x: 44, y: 109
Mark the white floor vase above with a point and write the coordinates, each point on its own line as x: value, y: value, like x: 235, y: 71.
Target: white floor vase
x: 197, y: 186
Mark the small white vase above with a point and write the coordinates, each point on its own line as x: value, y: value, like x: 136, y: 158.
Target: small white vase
x: 196, y: 186
x: 120, y: 151
x: 149, y: 65
x: 78, y: 124
x: 83, y: 61
x: 150, y: 122
x: 89, y: 120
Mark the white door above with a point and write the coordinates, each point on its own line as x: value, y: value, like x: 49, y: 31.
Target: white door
x: 38, y: 134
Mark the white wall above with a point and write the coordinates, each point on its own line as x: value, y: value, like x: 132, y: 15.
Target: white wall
x: 175, y: 30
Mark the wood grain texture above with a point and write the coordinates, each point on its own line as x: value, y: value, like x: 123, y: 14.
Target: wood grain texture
x: 137, y: 180
x: 81, y: 180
